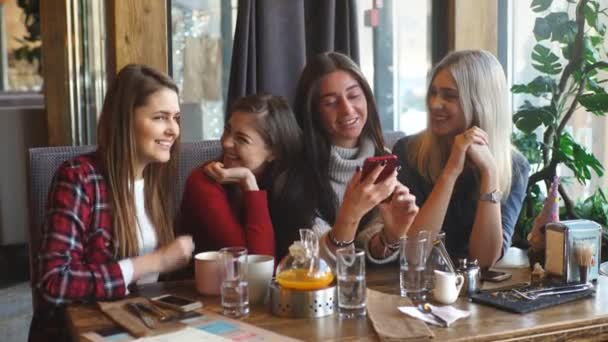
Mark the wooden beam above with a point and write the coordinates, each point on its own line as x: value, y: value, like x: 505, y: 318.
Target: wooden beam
x: 56, y: 70
x: 137, y: 33
x: 475, y: 25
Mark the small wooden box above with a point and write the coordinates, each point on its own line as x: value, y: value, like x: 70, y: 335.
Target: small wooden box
x: 560, y: 257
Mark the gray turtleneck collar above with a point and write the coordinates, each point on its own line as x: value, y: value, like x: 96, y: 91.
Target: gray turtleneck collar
x: 344, y: 161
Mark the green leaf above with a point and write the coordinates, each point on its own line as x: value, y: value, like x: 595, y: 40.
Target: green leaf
x: 590, y: 12
x: 529, y: 117
x: 528, y: 145
x: 542, y: 30
x: 565, y: 33
x: 577, y: 159
x: 596, y: 40
x: 590, y: 53
x: 595, y: 103
x: 540, y: 5
x: 546, y: 61
x: 539, y: 86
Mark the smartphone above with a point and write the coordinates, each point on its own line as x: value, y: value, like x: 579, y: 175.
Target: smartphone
x: 370, y: 164
x: 494, y: 276
x: 177, y: 303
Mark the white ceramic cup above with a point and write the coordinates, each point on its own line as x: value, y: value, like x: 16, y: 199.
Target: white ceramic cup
x: 207, y: 273
x: 259, y: 274
x: 447, y: 286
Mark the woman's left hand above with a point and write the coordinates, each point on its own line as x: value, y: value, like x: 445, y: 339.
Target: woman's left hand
x: 398, y: 213
x: 479, y: 152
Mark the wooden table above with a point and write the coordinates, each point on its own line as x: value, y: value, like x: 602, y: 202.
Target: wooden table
x: 585, y: 319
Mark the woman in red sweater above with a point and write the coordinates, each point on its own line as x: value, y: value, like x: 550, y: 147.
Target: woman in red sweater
x: 226, y: 202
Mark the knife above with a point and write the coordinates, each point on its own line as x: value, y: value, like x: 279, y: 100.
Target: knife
x: 579, y: 287
x: 138, y: 312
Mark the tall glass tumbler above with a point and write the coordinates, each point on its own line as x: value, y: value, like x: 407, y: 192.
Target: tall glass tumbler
x: 412, y: 262
x: 234, y: 289
x: 352, y: 291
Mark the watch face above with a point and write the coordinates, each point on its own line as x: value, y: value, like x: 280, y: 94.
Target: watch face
x: 494, y: 196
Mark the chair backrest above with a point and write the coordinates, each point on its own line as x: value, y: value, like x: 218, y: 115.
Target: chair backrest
x: 391, y: 137
x: 44, y: 161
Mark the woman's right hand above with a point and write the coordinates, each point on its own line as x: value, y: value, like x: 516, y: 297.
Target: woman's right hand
x: 176, y: 254
x: 361, y: 196
x: 234, y: 175
x: 458, y: 153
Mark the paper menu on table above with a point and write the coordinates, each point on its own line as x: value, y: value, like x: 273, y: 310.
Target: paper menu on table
x: 215, y: 328
x: 187, y: 334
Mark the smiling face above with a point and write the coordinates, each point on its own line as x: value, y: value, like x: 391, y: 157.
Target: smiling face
x: 343, y: 108
x: 156, y: 126
x: 446, y: 117
x: 243, y: 145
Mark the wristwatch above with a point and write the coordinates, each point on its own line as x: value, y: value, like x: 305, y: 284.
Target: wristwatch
x: 494, y: 196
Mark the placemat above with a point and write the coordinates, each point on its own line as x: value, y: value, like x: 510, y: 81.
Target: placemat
x: 390, y: 324
x: 119, y: 314
x: 509, y: 301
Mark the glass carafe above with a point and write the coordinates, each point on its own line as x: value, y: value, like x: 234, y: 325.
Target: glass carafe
x: 438, y: 259
x: 302, y: 268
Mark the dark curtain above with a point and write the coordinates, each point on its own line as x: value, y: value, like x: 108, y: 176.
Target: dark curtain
x: 274, y: 38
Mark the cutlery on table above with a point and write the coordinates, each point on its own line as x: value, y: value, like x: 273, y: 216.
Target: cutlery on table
x: 137, y: 311
x: 426, y: 308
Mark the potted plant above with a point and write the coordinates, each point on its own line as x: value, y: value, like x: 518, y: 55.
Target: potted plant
x: 569, y: 55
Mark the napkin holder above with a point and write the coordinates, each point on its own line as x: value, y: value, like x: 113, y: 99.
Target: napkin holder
x: 560, y: 257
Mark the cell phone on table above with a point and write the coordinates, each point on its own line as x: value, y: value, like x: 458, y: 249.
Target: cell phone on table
x: 177, y: 303
x: 370, y: 164
x: 494, y: 276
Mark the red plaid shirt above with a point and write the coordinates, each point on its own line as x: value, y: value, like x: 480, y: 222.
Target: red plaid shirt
x: 76, y: 256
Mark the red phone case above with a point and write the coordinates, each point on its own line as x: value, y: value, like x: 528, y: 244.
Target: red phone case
x: 370, y: 164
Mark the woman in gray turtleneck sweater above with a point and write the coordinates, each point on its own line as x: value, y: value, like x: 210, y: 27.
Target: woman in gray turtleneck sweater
x: 336, y: 110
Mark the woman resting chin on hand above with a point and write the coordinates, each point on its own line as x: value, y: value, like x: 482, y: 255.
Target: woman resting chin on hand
x: 468, y: 179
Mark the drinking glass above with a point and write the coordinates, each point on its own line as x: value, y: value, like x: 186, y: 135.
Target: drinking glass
x: 234, y: 289
x: 352, y: 292
x: 437, y: 259
x: 412, y: 261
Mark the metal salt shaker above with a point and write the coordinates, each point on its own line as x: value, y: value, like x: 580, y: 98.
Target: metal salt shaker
x: 472, y: 276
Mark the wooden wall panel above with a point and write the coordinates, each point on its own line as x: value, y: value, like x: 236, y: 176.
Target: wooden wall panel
x: 475, y: 25
x: 137, y: 33
x: 56, y: 70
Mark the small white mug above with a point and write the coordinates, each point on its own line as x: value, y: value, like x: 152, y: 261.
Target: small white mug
x: 447, y: 286
x: 259, y: 274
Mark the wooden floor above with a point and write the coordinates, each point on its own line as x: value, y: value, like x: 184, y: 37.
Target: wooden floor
x: 15, y: 312
x: 15, y: 293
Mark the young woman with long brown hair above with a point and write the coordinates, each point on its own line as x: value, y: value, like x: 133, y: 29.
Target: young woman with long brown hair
x: 110, y: 213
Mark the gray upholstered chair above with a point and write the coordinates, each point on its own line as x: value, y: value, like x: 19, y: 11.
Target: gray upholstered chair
x: 391, y: 137
x: 44, y: 161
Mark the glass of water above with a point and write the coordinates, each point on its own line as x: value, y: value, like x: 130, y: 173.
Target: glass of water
x: 234, y: 288
x: 352, y: 292
x: 412, y: 261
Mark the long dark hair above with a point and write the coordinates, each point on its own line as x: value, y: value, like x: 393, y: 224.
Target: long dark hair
x: 116, y: 148
x: 277, y: 125
x: 317, y: 145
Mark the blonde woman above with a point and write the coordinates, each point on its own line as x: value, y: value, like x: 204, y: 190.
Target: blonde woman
x: 110, y: 213
x: 468, y: 179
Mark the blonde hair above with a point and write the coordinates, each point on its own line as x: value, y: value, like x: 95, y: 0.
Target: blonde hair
x: 131, y: 89
x: 483, y: 97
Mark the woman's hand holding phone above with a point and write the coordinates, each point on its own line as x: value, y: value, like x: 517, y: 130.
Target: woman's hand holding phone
x: 361, y: 196
x: 387, y: 163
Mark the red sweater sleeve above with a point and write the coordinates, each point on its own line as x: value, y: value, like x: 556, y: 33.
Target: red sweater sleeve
x: 207, y: 214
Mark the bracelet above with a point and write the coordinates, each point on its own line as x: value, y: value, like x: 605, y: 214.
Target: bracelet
x: 390, y: 246
x: 339, y: 243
